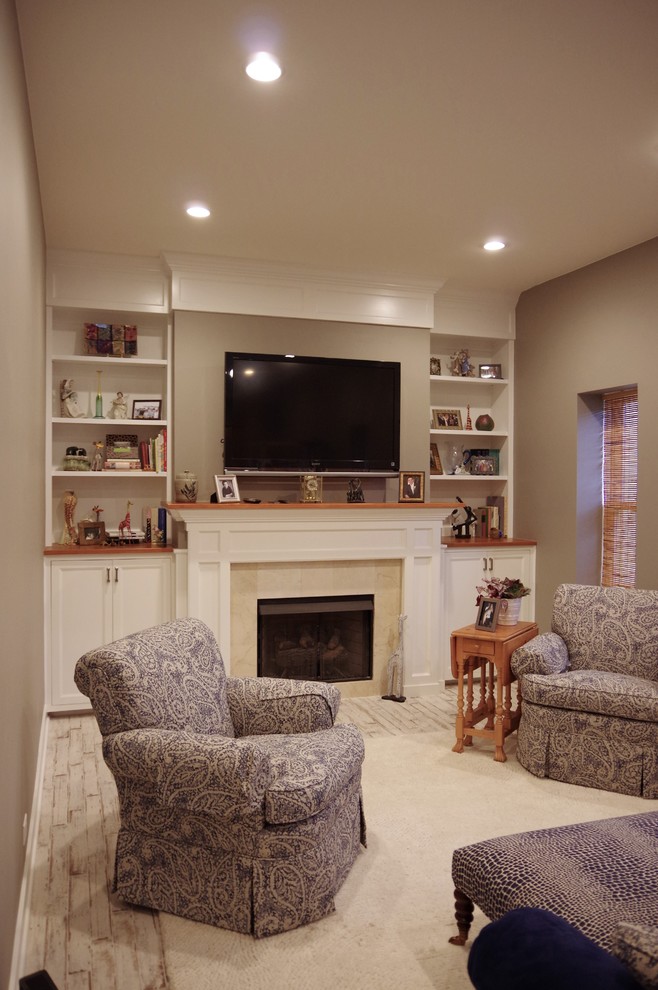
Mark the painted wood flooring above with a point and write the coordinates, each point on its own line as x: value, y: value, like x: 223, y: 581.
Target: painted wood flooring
x: 79, y: 932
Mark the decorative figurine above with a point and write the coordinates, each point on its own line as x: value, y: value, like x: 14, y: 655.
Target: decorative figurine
x: 355, y: 491
x: 462, y: 520
x: 68, y: 400
x: 97, y: 463
x: 119, y: 408
x: 125, y: 523
x: 97, y: 510
x: 69, y: 533
x: 469, y: 423
x: 460, y: 364
x: 395, y: 667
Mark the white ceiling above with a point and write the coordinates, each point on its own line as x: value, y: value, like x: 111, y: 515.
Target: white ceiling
x: 401, y: 135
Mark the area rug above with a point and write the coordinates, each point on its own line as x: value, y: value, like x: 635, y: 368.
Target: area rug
x: 395, y: 913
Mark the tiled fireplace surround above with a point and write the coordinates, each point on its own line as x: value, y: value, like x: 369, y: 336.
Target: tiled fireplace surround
x: 236, y: 554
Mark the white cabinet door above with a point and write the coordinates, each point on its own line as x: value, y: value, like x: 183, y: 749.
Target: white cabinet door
x: 95, y: 600
x: 464, y: 570
x: 81, y: 619
x: 142, y: 594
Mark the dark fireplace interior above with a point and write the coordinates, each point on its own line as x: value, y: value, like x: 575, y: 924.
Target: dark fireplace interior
x: 316, y: 639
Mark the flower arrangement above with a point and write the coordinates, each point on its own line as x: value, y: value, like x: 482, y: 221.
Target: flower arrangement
x: 501, y: 588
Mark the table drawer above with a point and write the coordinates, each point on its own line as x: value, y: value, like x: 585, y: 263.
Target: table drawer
x: 478, y: 648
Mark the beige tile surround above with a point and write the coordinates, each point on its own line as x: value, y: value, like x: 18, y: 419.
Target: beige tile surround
x: 381, y: 578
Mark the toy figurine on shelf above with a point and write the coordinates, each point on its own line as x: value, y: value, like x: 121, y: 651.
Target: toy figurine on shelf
x: 355, y: 491
x: 96, y: 509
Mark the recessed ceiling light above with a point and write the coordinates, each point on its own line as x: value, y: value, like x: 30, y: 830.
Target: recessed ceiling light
x: 494, y: 245
x: 196, y: 210
x: 263, y: 67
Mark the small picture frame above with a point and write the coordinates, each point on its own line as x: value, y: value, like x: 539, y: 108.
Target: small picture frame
x: 435, y: 460
x: 91, y: 534
x: 446, y: 419
x: 226, y: 486
x: 147, y: 408
x: 483, y: 465
x: 412, y: 486
x: 487, y: 617
x: 435, y: 365
x: 491, y: 371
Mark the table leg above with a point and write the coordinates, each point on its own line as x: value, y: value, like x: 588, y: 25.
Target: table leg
x: 459, y: 721
x: 499, y: 728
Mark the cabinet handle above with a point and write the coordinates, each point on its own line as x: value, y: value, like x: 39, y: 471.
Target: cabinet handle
x: 484, y: 564
x: 116, y: 574
x: 491, y: 563
x: 107, y: 574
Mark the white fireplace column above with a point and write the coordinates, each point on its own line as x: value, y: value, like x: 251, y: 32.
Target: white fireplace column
x: 220, y: 536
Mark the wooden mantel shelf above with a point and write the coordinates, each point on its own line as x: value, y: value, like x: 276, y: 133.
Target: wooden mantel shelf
x: 110, y: 550
x: 312, y: 506
x: 487, y: 542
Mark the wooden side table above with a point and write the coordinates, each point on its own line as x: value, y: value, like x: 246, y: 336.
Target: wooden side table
x: 474, y: 649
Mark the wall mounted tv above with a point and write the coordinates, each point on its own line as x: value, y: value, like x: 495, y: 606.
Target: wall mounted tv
x: 292, y: 413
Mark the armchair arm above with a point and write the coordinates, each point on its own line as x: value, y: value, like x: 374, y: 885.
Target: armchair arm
x: 545, y: 654
x: 264, y: 705
x: 224, y: 777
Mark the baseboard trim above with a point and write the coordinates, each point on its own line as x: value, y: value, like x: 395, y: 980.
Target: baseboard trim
x: 23, y: 915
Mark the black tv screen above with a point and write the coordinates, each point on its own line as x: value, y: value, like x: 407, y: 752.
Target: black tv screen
x: 293, y: 413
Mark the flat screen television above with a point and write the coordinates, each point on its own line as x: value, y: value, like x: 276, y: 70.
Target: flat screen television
x: 293, y: 413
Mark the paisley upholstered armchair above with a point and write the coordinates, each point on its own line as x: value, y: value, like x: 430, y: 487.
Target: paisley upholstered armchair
x: 240, y: 800
x: 590, y: 691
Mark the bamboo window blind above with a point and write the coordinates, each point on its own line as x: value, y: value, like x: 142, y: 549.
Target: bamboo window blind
x: 620, y: 416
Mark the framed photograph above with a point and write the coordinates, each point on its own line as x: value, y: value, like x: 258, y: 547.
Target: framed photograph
x: 227, y: 488
x: 412, y: 486
x: 147, y: 408
x: 483, y: 465
x: 435, y: 460
x: 491, y: 371
x: 487, y: 617
x: 91, y: 534
x: 446, y: 419
x: 435, y: 365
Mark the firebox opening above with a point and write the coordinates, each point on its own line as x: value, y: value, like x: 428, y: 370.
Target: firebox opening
x: 316, y: 639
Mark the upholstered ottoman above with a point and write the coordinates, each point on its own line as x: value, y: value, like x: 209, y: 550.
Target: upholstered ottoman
x: 595, y: 875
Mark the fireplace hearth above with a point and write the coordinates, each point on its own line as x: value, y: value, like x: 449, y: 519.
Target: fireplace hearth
x: 326, y: 638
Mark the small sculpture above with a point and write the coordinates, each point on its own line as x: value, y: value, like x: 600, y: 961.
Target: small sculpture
x: 460, y: 364
x: 125, y: 523
x: 97, y: 463
x: 469, y: 422
x: 68, y: 400
x: 355, y: 491
x: 97, y: 510
x: 119, y: 408
x: 395, y: 667
x: 462, y: 520
x: 69, y: 533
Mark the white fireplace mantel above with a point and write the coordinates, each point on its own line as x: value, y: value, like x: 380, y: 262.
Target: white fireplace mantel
x: 221, y: 536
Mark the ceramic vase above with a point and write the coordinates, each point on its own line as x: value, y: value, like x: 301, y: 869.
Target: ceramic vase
x: 510, y: 609
x: 186, y: 487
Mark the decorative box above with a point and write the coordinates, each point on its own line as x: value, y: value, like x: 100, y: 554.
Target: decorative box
x: 110, y: 339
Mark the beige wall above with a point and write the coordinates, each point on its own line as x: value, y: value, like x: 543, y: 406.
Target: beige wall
x: 22, y: 410
x: 200, y: 340
x: 585, y: 332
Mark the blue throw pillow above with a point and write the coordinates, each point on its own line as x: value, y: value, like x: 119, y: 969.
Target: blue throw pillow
x: 530, y: 947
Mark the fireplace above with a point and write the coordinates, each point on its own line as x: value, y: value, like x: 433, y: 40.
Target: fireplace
x: 325, y: 638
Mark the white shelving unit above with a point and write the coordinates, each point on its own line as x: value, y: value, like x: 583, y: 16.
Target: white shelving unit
x: 119, y: 294
x: 473, y: 397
